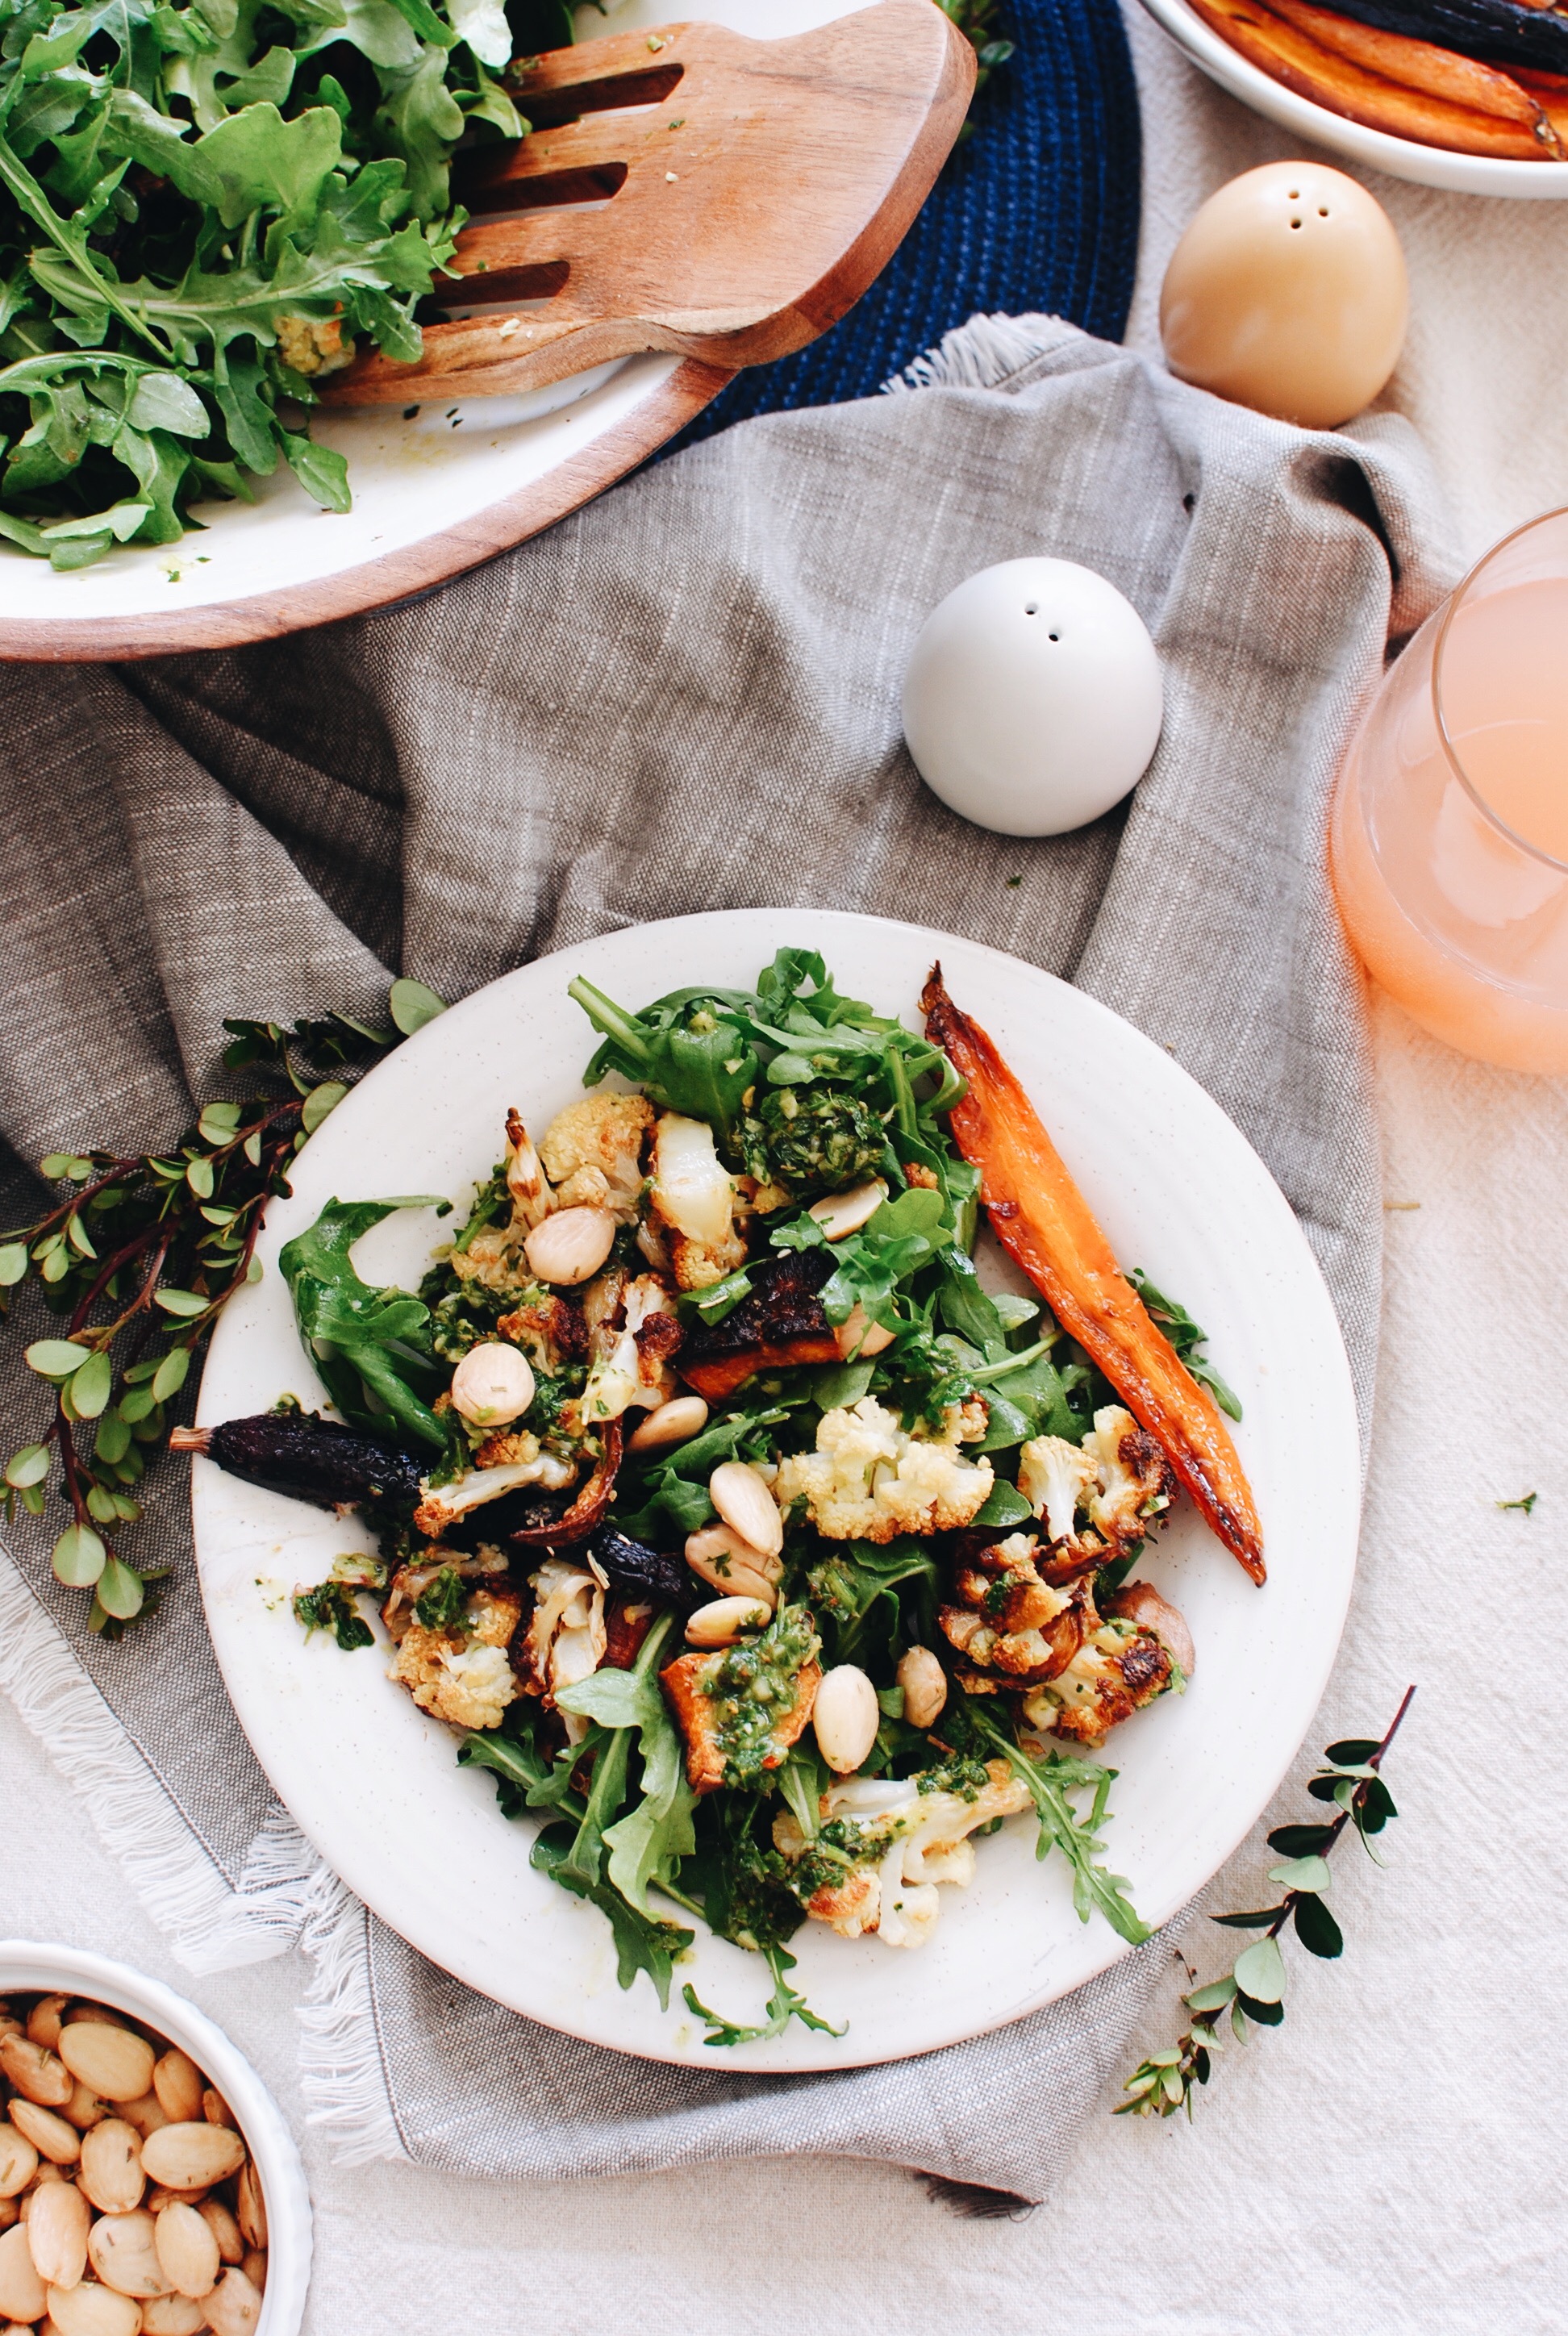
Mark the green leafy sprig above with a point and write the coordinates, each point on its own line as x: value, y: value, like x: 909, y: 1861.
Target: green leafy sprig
x: 141, y: 1257
x: 1253, y: 1990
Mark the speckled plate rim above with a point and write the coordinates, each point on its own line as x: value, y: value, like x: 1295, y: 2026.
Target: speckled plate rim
x: 26, y: 1964
x: 373, y: 1783
x: 1400, y: 158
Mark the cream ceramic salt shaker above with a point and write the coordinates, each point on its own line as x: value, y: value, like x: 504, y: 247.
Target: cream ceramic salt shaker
x: 1033, y: 700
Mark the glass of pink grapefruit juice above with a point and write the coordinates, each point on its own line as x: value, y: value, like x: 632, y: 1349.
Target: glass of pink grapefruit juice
x: 1448, y: 836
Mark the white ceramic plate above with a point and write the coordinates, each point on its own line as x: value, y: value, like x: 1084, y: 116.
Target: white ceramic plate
x: 374, y: 1782
x: 1401, y: 158
x: 432, y: 495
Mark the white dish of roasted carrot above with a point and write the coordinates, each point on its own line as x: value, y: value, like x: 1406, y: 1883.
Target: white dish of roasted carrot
x: 1042, y: 1582
x: 1470, y: 95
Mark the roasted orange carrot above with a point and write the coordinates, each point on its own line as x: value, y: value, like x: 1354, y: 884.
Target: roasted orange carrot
x: 1045, y: 1225
x: 1331, y: 80
x: 1419, y: 65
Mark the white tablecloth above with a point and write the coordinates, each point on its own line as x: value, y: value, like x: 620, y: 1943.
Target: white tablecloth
x: 1390, y: 2158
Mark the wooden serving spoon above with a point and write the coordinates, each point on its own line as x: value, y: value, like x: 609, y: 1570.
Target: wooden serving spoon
x: 743, y: 193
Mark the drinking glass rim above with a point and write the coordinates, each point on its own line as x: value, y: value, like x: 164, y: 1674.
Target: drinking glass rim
x: 1456, y: 597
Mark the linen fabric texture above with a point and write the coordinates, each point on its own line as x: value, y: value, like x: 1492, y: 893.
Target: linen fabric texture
x: 688, y: 696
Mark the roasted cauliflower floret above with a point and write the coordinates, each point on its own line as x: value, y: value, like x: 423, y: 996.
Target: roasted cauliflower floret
x: 515, y: 1460
x: 901, y: 1835
x: 868, y: 1480
x: 1009, y: 1621
x: 1119, y: 1667
x: 692, y: 1206
x: 567, y: 1635
x: 1099, y: 1498
x: 550, y: 1329
x: 633, y: 1335
x: 313, y: 344
x: 592, y: 1153
x: 459, y: 1671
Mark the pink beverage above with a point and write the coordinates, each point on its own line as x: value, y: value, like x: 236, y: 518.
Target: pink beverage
x: 1448, y: 838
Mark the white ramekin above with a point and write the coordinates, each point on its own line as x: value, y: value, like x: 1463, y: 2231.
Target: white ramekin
x: 71, y: 1971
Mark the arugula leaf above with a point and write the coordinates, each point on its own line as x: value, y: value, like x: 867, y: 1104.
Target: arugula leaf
x: 365, y: 1341
x: 641, y: 1943
x: 683, y: 1054
x: 1187, y: 1338
x: 864, y: 1591
x: 784, y: 2004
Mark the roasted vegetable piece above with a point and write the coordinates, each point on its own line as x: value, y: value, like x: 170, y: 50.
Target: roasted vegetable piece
x: 1420, y: 66
x: 309, y: 1458
x: 575, y: 1524
x: 1045, y: 1225
x: 1497, y: 31
x: 645, y: 1572
x: 1291, y: 57
x: 781, y: 1322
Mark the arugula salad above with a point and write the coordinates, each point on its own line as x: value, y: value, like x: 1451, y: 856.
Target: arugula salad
x: 765, y: 1558
x: 205, y: 205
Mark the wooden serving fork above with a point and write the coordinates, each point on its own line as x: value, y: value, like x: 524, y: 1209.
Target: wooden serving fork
x: 743, y: 193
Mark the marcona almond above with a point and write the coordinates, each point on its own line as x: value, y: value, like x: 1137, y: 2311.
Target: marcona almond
x: 719, y: 1557
x: 720, y: 1622
x: 38, y: 2076
x: 842, y: 1214
x: 224, y: 2229
x: 10, y: 2210
x: 234, y: 2306
x: 99, y: 2012
x: 255, y: 2269
x: 110, y: 2173
x: 161, y: 2195
x: 50, y: 2135
x: 216, y: 2109
x: 57, y: 2230
x: 125, y: 2257
x: 188, y: 2250
x: 925, y: 1685
x: 845, y: 1717
x: 85, y: 2109
x: 90, y: 2310
x: 44, y: 2022
x: 177, y: 2081
x: 115, y: 2064
x: 858, y: 1338
x: 249, y: 2207
x: 676, y: 1422
x: 571, y: 1245
x: 746, y: 1506
x: 22, y: 2293
x: 147, y: 2115
x: 172, y: 2315
x: 18, y: 2161
x: 185, y: 2156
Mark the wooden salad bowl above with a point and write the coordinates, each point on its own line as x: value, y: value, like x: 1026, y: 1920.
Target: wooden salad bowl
x: 686, y: 191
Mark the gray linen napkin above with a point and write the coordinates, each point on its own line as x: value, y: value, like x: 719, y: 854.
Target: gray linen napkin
x: 688, y: 696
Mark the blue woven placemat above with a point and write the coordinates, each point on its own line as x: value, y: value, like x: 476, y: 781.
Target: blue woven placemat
x: 1037, y: 209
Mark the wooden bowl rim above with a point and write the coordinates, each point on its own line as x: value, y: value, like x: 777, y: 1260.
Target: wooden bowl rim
x: 400, y: 575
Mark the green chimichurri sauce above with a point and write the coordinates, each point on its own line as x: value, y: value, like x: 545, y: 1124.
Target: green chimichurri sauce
x: 753, y: 1687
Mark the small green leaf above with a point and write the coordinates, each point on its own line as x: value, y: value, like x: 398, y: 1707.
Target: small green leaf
x: 1352, y: 1752
x: 28, y: 1466
x: 136, y: 1402
x: 253, y: 1147
x: 89, y: 1389
x: 1301, y: 1873
x: 319, y: 1102
x: 1213, y: 1997
x: 120, y: 1591
x: 412, y: 1006
x: 1300, y: 1840
x: 13, y: 1263
x: 113, y: 1438
x: 1260, y: 1971
x: 76, y: 1233
x: 169, y: 1376
x: 56, y: 1359
x: 101, y: 1504
x: 57, y: 1264
x: 182, y: 1302
x: 78, y: 1557
x: 198, y: 1177
x: 1317, y: 1928
x: 65, y: 1167
x: 1005, y: 1505
x: 219, y: 1123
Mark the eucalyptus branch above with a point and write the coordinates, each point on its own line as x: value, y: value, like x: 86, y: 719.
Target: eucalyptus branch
x: 1253, y: 1989
x: 162, y: 1242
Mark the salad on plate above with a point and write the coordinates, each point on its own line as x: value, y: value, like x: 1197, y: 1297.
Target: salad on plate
x: 757, y: 1547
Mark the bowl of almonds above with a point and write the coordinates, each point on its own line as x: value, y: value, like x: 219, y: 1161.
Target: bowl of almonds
x: 149, y: 2186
